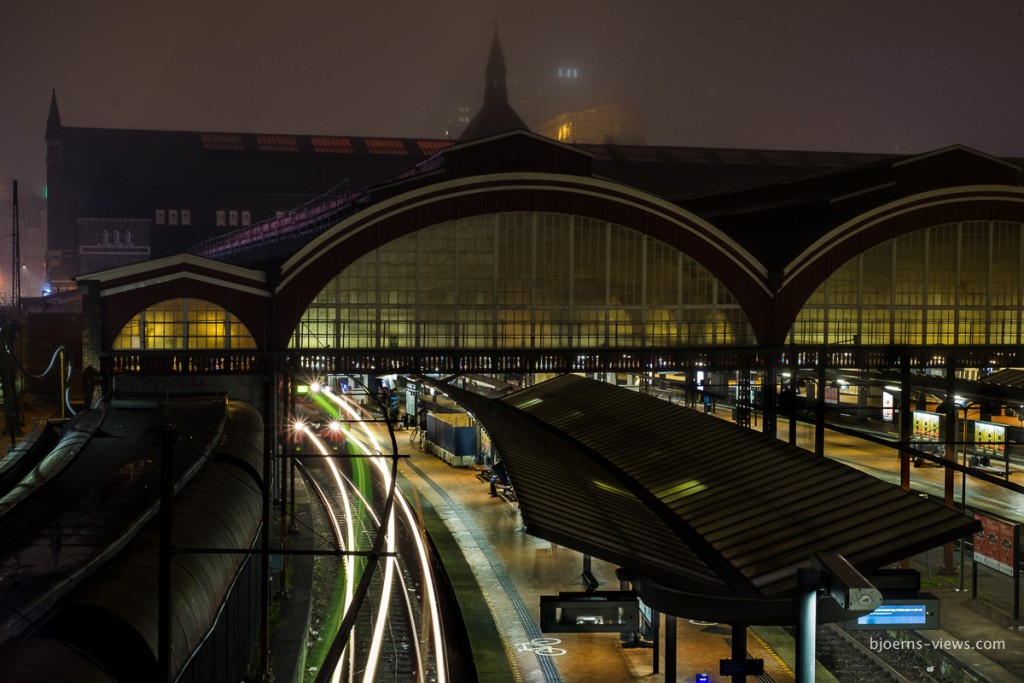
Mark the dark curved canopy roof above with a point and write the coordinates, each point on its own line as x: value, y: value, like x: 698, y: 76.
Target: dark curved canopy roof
x: 695, y: 503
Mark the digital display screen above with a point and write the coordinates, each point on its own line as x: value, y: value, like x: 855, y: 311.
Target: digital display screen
x: 921, y: 612
x: 889, y: 615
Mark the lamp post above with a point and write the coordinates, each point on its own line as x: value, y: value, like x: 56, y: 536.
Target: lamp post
x: 965, y: 406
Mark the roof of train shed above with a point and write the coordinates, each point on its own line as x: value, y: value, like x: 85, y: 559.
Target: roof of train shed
x: 1012, y: 378
x: 690, y: 501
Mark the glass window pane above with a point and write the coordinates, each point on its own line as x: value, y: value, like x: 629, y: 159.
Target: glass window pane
x: 523, y: 280
x: 955, y: 283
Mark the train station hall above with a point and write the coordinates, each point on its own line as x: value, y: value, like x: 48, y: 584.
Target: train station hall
x: 576, y: 411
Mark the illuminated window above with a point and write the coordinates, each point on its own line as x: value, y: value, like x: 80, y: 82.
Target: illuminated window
x: 163, y: 327
x: 385, y: 146
x: 104, y: 237
x: 182, y: 324
x: 430, y: 147
x: 232, y: 218
x: 130, y: 336
x: 948, y: 284
x: 222, y: 219
x: 172, y: 217
x: 526, y: 280
x: 246, y: 217
x: 159, y: 218
x: 277, y: 143
x: 186, y: 217
x: 222, y: 141
x: 332, y: 145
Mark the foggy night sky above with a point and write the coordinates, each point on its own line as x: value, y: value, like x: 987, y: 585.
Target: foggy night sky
x: 900, y: 76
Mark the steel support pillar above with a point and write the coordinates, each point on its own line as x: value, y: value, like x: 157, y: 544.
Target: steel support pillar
x: 819, y: 413
x: 948, y: 565
x: 670, y: 648
x: 739, y: 649
x: 807, y: 621
x: 655, y: 633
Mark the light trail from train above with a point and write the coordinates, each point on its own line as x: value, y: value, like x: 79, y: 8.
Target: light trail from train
x: 333, y: 405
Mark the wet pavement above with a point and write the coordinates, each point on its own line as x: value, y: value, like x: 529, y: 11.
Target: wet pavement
x: 514, y: 569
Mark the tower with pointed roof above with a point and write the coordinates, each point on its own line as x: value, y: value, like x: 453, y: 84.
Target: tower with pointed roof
x: 53, y: 131
x: 61, y: 242
x: 496, y: 115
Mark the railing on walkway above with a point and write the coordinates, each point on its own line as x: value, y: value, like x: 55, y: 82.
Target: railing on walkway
x: 407, y: 361
x: 311, y: 218
x: 236, y: 362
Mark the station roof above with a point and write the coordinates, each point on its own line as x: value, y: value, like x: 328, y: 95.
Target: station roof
x: 1012, y: 378
x: 691, y: 501
x: 803, y: 208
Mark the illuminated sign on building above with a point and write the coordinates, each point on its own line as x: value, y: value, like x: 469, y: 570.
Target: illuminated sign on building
x: 569, y: 72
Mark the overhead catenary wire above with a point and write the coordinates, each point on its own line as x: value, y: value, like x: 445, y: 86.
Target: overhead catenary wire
x: 58, y: 353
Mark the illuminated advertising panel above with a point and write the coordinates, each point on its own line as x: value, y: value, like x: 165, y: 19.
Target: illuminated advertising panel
x: 926, y: 426
x: 887, y: 406
x: 993, y: 544
x: 990, y: 438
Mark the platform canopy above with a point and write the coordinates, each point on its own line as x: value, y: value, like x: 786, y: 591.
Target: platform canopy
x: 711, y: 518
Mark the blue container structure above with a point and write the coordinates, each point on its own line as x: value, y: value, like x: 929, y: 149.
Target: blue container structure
x: 453, y: 437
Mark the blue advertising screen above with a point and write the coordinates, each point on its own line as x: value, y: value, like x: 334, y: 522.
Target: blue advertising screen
x: 921, y: 612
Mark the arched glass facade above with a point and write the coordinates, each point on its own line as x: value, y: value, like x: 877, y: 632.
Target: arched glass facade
x: 184, y: 324
x: 526, y: 280
x: 958, y: 283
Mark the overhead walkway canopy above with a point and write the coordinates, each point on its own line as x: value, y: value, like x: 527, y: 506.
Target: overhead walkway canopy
x: 712, y: 519
x: 1011, y: 378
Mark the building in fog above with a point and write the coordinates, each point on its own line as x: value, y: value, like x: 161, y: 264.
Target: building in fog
x: 32, y: 240
x: 765, y: 248
x: 607, y: 124
x: 241, y: 265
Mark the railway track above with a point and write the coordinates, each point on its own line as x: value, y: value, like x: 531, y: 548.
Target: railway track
x: 395, y: 654
x: 850, y: 659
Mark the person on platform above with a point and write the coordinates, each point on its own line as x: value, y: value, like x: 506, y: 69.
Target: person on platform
x: 498, y: 474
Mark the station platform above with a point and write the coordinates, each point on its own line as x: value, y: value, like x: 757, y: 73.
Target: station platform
x: 513, y: 569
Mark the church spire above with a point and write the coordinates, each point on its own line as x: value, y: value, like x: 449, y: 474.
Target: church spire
x: 53, y: 120
x: 495, y: 116
x: 496, y: 89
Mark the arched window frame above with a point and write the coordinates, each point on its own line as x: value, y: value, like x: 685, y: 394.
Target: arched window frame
x: 184, y: 324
